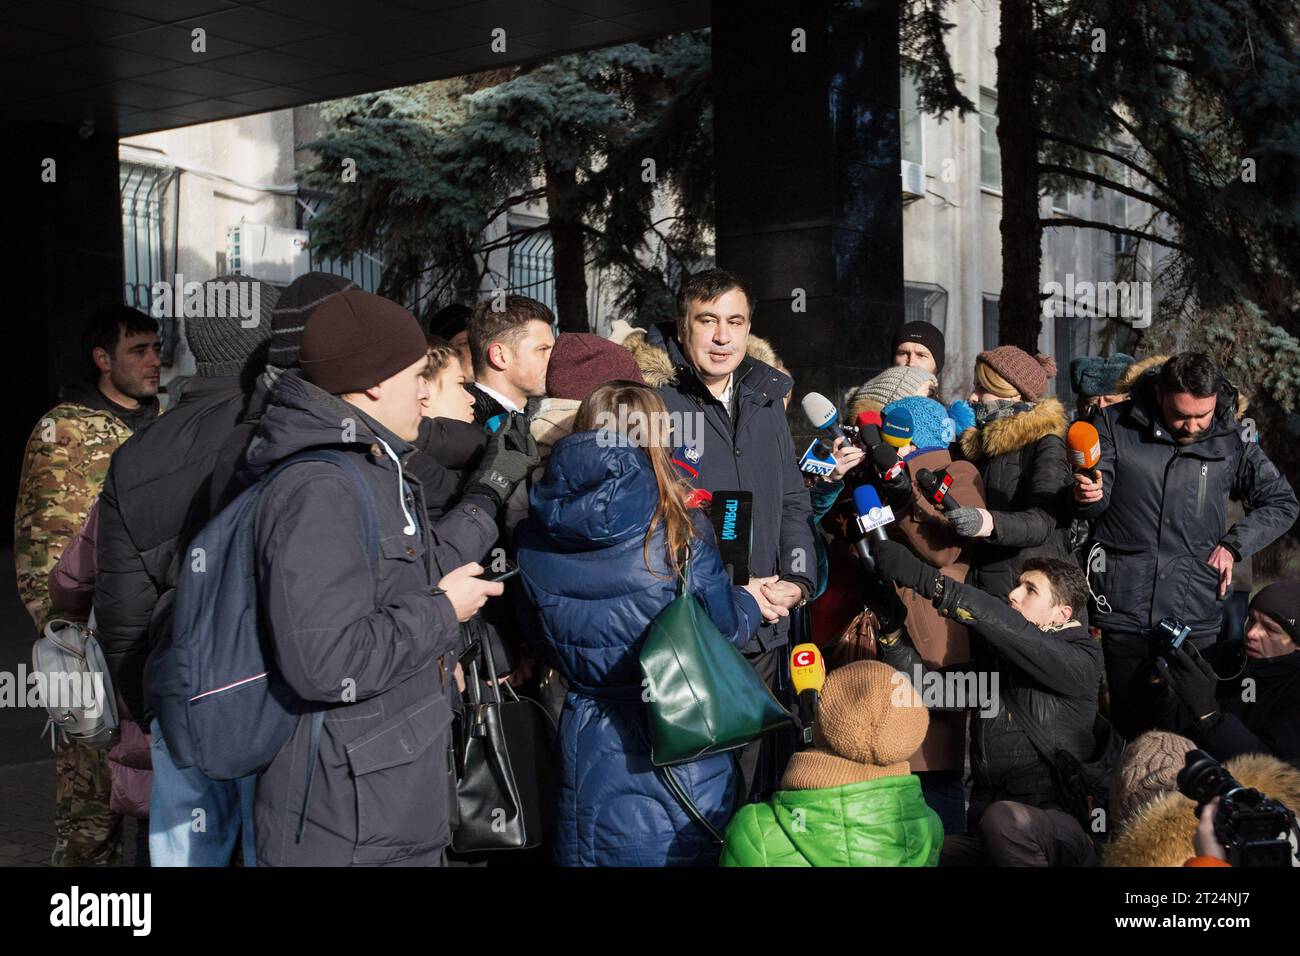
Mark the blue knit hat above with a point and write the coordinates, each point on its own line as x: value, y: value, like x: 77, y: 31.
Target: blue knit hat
x: 931, y: 426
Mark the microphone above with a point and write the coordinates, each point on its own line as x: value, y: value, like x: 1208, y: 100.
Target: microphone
x: 818, y: 460
x: 808, y: 674
x: 935, y: 488
x: 1085, y: 447
x: 732, y: 514
x: 869, y: 425
x: 872, y: 518
x: 822, y: 414
x: 893, y: 473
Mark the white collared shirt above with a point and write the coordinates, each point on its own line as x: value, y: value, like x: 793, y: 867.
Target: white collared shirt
x: 725, y: 396
x: 501, y: 399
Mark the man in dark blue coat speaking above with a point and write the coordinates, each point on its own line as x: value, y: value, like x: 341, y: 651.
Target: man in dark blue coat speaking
x: 727, y: 410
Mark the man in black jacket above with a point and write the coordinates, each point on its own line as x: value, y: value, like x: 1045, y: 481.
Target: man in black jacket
x: 1032, y: 660
x: 511, y: 349
x: 729, y: 408
x: 1170, y: 460
x: 1245, y: 694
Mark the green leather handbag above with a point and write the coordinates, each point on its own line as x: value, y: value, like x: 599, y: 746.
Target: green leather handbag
x: 702, y: 696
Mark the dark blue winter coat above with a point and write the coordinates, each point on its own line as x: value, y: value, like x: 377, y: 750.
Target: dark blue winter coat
x: 582, y: 564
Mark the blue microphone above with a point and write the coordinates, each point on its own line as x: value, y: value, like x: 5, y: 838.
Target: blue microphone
x: 872, y: 518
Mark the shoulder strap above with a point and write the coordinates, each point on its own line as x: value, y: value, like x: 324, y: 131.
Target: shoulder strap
x: 683, y: 798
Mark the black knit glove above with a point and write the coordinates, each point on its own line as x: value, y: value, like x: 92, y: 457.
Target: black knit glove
x: 509, y: 457
x: 904, y: 568
x: 1193, y: 679
x: 897, y: 490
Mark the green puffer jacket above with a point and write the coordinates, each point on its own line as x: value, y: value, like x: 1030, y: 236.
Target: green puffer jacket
x: 881, y: 822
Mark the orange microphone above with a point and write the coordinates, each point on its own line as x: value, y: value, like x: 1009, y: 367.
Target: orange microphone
x: 1085, y: 447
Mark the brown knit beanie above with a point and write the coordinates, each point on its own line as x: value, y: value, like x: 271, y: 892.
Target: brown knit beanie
x: 1148, y: 766
x: 870, y: 722
x: 581, y: 362
x: 355, y: 340
x: 1029, y: 375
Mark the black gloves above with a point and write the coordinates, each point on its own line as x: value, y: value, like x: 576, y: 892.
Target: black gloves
x: 510, y: 455
x: 882, y: 598
x: 1193, y: 679
x: 897, y: 489
x: 903, y: 567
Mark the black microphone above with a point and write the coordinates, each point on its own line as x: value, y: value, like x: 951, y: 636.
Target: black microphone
x: 732, y: 514
x: 935, y: 488
x: 894, y: 479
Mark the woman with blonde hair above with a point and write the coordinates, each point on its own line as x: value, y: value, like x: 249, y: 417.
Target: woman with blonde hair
x: 607, y: 542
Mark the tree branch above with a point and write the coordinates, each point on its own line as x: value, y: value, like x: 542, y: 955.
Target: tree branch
x: 1111, y: 184
x: 1117, y: 230
x: 1110, y: 154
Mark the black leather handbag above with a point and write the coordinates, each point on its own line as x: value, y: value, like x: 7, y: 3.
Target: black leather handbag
x: 504, y: 764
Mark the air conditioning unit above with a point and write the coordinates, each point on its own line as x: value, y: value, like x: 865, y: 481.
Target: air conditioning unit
x: 913, y: 179
x: 268, y: 253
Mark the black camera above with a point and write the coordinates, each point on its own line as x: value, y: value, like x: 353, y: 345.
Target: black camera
x: 1170, y: 634
x: 1253, y: 828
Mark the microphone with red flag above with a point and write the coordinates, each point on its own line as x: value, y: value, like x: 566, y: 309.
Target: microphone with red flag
x: 935, y: 485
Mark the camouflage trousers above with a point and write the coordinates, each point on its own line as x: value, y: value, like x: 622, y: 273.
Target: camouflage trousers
x: 86, y: 831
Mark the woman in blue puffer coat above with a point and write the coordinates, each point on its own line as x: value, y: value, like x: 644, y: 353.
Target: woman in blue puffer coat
x: 599, y: 559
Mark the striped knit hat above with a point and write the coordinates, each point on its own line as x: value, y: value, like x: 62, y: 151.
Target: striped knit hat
x: 289, y: 318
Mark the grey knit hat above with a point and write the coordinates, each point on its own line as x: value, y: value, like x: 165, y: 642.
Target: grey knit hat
x: 234, y: 320
x: 890, y: 385
x: 297, y: 302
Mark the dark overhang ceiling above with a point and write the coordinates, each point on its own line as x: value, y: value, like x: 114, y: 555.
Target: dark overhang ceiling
x: 128, y: 66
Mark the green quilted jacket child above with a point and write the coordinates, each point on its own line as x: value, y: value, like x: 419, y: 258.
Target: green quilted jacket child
x: 851, y: 799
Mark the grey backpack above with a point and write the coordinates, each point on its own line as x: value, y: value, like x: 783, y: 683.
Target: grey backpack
x: 74, y: 685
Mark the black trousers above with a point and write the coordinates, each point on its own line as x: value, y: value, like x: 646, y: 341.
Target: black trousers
x: 1016, y: 834
x: 762, y: 761
x: 1139, y: 700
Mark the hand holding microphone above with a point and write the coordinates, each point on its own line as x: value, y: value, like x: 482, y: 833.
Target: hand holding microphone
x: 1085, y: 452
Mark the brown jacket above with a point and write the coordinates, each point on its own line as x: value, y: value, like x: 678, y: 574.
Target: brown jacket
x: 938, y: 640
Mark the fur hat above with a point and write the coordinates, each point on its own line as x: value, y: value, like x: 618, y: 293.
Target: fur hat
x: 1098, y: 375
x: 871, y: 720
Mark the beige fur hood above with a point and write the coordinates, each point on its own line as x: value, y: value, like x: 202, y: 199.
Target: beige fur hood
x: 1160, y: 833
x: 1048, y: 417
x: 657, y: 368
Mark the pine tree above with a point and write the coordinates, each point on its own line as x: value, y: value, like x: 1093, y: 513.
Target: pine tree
x: 595, y: 134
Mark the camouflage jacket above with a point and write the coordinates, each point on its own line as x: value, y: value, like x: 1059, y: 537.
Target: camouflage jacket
x: 63, y: 471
